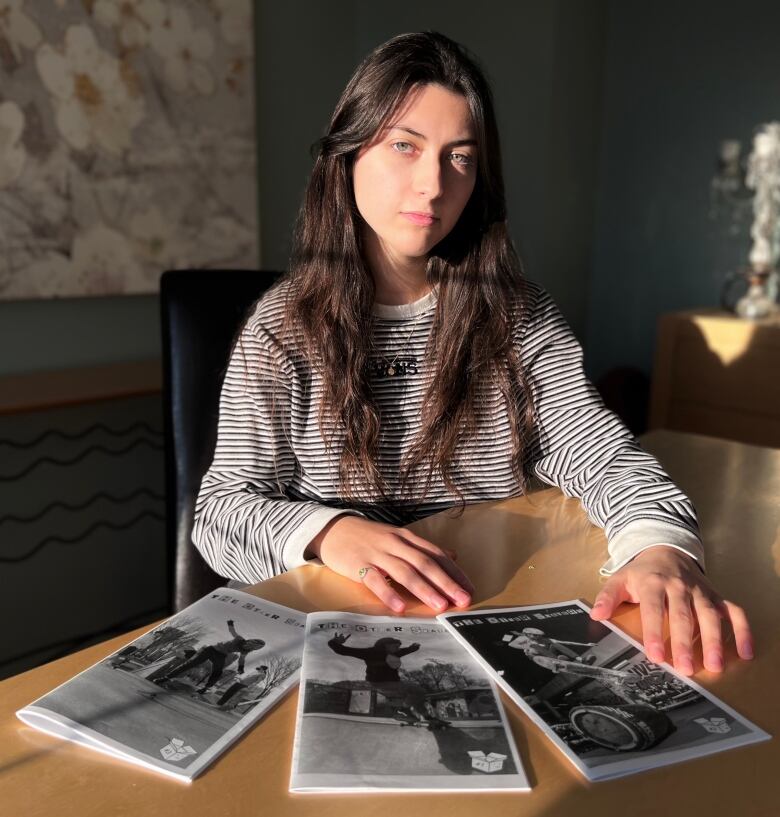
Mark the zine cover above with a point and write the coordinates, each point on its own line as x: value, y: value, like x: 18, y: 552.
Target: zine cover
x: 179, y: 695
x: 389, y: 704
x: 593, y: 692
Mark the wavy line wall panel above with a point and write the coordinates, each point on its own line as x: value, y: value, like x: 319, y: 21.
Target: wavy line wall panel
x: 82, y: 526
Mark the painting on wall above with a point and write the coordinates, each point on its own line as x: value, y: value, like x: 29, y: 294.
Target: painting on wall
x: 127, y: 143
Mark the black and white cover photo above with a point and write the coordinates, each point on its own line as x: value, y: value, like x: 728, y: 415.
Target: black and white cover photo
x: 390, y: 704
x: 179, y: 695
x: 593, y: 691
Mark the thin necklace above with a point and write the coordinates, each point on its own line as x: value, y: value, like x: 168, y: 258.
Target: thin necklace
x: 391, y: 370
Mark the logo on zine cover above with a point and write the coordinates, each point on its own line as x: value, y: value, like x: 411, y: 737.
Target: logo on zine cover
x: 176, y: 750
x: 717, y: 726
x: 493, y: 762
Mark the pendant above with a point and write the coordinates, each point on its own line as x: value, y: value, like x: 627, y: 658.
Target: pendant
x: 390, y: 371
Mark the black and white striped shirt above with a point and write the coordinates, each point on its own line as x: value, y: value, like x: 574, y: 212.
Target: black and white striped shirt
x: 272, y: 487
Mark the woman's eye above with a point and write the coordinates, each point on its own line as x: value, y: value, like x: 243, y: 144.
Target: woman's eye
x: 461, y: 158
x: 402, y: 147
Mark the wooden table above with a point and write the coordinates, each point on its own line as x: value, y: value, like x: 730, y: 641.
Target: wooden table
x: 535, y: 549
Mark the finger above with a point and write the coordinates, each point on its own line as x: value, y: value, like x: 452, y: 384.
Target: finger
x: 434, y: 574
x: 742, y: 633
x: 611, y: 596
x: 681, y: 630
x: 708, y: 616
x: 407, y: 576
x: 651, y: 613
x: 441, y: 556
x: 375, y: 581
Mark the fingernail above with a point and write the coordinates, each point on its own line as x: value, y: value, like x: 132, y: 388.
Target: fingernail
x: 398, y: 606
x: 715, y: 660
x: 686, y: 666
x: 747, y: 650
x: 437, y: 603
x: 462, y: 599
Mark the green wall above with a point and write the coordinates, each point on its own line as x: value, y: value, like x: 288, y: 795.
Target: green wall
x: 59, y: 334
x: 679, y: 79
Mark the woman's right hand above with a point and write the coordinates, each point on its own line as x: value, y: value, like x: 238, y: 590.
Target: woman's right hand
x: 348, y: 543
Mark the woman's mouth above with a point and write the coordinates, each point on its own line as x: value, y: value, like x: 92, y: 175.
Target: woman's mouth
x: 423, y: 219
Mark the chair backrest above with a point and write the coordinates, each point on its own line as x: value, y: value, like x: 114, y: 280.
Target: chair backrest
x: 201, y: 313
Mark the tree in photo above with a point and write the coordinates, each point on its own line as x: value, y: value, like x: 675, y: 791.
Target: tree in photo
x: 439, y: 676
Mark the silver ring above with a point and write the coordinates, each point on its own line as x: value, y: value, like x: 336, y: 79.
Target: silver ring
x: 364, y: 571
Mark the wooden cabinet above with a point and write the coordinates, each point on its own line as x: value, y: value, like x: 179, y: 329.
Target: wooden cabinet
x: 719, y: 375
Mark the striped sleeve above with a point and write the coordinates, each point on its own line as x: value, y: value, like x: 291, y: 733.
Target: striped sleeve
x: 245, y: 525
x: 582, y: 448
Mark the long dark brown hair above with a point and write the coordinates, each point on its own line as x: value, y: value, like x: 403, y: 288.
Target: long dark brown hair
x: 475, y: 268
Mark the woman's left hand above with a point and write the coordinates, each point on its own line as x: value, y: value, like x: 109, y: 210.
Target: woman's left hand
x: 663, y: 577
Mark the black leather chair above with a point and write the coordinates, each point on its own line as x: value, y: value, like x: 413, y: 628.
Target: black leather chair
x: 201, y: 312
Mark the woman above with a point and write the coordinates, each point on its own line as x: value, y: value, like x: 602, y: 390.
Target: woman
x: 405, y: 365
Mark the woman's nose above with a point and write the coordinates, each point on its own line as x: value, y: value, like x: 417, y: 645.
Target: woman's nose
x: 428, y: 180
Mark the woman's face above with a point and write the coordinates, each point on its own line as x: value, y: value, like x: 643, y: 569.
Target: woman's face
x: 414, y: 178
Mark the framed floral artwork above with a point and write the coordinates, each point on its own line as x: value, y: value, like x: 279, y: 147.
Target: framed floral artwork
x: 127, y: 143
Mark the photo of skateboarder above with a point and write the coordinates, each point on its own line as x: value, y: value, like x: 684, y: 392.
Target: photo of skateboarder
x: 542, y: 649
x: 386, y: 704
x: 218, y: 655
x: 140, y: 702
x: 383, y: 662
